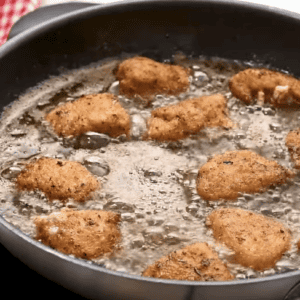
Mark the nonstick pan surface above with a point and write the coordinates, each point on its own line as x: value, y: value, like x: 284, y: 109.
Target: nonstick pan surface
x: 228, y: 29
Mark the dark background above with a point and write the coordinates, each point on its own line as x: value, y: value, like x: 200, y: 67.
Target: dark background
x: 18, y: 279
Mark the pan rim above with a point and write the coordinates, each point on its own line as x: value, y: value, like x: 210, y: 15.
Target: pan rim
x: 85, y: 263
x: 93, y: 10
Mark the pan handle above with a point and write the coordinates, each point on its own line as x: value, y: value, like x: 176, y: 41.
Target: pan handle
x: 45, y: 13
x: 294, y: 293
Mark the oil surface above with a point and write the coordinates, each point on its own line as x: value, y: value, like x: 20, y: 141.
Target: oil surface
x: 151, y: 184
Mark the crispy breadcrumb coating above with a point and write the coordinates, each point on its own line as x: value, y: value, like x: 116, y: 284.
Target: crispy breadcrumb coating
x: 99, y: 113
x: 265, y: 86
x: 85, y: 234
x: 145, y: 77
x: 258, y: 241
x: 292, y: 141
x: 226, y: 175
x: 197, y: 262
x: 58, y: 179
x: 175, y: 122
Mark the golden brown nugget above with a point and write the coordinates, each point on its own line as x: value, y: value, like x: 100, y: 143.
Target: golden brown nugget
x: 197, y: 262
x: 265, y: 85
x: 58, y: 179
x: 178, y: 121
x: 258, y: 241
x: 85, y: 234
x: 292, y: 141
x: 145, y: 77
x: 226, y: 175
x: 99, y: 113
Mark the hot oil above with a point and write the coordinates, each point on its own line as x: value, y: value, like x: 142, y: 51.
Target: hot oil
x: 151, y: 184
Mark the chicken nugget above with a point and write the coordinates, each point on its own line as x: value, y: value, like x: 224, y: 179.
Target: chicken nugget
x: 226, y: 175
x: 197, y: 262
x: 145, y: 77
x: 266, y: 86
x: 99, y: 113
x: 175, y: 122
x: 258, y: 241
x: 58, y: 179
x: 85, y: 234
x: 292, y: 141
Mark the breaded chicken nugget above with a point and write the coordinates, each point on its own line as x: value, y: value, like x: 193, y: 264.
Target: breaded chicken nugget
x: 292, y: 141
x: 265, y: 85
x: 178, y: 121
x: 226, y: 175
x: 99, y: 113
x: 197, y: 262
x: 58, y: 179
x: 145, y: 77
x: 258, y: 241
x: 85, y: 234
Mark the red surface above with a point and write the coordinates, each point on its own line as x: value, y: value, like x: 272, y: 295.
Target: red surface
x: 11, y: 11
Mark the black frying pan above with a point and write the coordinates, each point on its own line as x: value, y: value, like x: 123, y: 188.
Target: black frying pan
x: 75, y: 34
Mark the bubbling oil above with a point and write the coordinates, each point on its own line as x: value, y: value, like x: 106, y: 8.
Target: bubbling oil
x: 152, y: 185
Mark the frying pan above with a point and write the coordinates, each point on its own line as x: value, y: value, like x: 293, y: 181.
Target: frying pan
x: 75, y: 34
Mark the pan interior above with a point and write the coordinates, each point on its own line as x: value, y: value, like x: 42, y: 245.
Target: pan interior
x: 151, y: 184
